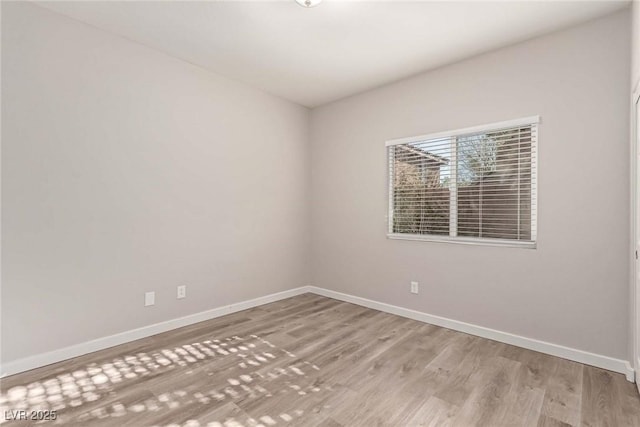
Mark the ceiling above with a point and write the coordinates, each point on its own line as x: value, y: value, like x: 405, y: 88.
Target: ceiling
x: 339, y: 48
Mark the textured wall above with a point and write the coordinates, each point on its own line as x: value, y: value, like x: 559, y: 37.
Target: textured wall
x: 125, y: 170
x: 573, y: 289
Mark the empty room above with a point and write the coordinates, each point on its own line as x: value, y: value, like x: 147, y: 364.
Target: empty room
x: 320, y: 213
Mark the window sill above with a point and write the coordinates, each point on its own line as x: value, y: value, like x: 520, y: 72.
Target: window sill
x: 463, y: 240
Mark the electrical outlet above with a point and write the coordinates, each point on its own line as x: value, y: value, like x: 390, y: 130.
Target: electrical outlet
x: 414, y: 287
x: 149, y: 298
x: 182, y: 291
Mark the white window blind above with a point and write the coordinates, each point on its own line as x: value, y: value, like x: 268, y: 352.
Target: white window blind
x: 474, y: 185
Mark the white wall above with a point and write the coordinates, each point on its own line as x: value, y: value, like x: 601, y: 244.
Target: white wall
x: 125, y: 170
x: 635, y: 43
x: 573, y: 289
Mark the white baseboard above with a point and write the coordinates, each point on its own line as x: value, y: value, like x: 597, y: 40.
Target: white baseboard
x: 600, y: 361
x: 43, y: 359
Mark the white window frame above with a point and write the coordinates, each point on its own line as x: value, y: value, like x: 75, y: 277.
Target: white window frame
x: 453, y: 238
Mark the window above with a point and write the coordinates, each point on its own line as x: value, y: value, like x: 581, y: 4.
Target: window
x: 472, y: 185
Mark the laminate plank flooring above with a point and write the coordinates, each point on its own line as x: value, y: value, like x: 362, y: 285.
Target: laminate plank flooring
x: 315, y: 361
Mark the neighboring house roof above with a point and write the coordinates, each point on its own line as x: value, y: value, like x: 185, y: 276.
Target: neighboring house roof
x: 410, y: 150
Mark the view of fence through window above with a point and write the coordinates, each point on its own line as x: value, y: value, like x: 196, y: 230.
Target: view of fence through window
x: 478, y: 185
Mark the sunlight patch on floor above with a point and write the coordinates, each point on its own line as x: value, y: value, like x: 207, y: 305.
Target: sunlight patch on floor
x: 97, y: 381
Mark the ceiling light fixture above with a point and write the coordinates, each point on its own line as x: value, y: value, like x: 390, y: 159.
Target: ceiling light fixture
x: 308, y: 3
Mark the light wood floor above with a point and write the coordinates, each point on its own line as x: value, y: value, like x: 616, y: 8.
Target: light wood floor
x: 314, y: 361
